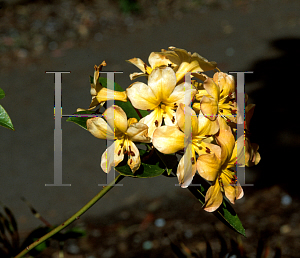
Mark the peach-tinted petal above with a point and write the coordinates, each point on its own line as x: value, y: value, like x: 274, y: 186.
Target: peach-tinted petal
x: 187, y: 170
x: 212, y: 88
x: 232, y: 188
x: 142, y: 96
x: 99, y: 128
x: 153, y: 121
x: 208, y: 166
x: 108, y: 162
x: 209, y: 108
x: 213, y: 197
x: 206, y: 126
x: 226, y: 140
x: 138, y: 132
x: 162, y: 81
x: 116, y: 118
x: 168, y: 139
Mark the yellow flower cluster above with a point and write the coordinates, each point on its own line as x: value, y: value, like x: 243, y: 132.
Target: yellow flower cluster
x: 196, y: 119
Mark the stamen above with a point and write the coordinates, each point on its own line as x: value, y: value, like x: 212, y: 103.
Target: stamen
x: 119, y: 152
x: 173, y: 120
x: 193, y: 160
x: 130, y: 161
x: 156, y: 123
x: 234, y: 180
x: 207, y: 150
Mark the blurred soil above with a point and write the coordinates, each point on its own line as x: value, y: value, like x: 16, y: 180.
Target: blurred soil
x: 152, y: 227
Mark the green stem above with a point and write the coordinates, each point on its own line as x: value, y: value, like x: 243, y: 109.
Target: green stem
x: 71, y: 219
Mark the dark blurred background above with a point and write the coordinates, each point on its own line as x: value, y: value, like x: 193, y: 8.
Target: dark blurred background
x: 240, y: 35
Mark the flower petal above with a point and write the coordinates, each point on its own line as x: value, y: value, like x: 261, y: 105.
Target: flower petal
x: 134, y: 160
x: 212, y: 88
x: 142, y: 96
x: 179, y: 93
x: 209, y: 108
x: 225, y: 82
x: 116, y: 118
x: 155, y: 60
x: 106, y: 94
x: 181, y: 114
x: 99, y: 128
x: 108, y: 162
x: 153, y: 120
x: 232, y: 192
x: 206, y: 126
x: 226, y: 140
x: 209, y: 166
x: 162, y: 81
x: 186, y: 171
x: 138, y: 132
x: 138, y: 63
x: 133, y: 76
x: 168, y: 139
x: 213, y: 197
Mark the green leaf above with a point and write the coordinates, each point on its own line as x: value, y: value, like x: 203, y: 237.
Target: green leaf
x: 224, y: 213
x: 170, y: 161
x: 5, y: 119
x: 2, y: 94
x: 151, y: 166
x: 81, y: 121
x: 130, y: 111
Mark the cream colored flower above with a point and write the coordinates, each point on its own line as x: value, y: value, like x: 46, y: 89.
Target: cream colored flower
x: 161, y: 96
x: 215, y: 97
x: 170, y: 139
x: 155, y: 60
x: 216, y: 167
x: 123, y: 132
x: 184, y: 62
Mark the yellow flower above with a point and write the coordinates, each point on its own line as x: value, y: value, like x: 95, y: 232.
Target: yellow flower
x: 101, y: 94
x: 161, y: 96
x: 155, y: 60
x: 178, y: 59
x: 217, y: 166
x: 215, y: 97
x: 184, y: 62
x: 170, y: 139
x: 123, y: 132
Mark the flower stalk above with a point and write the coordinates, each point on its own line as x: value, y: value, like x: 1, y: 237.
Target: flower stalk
x: 73, y: 218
